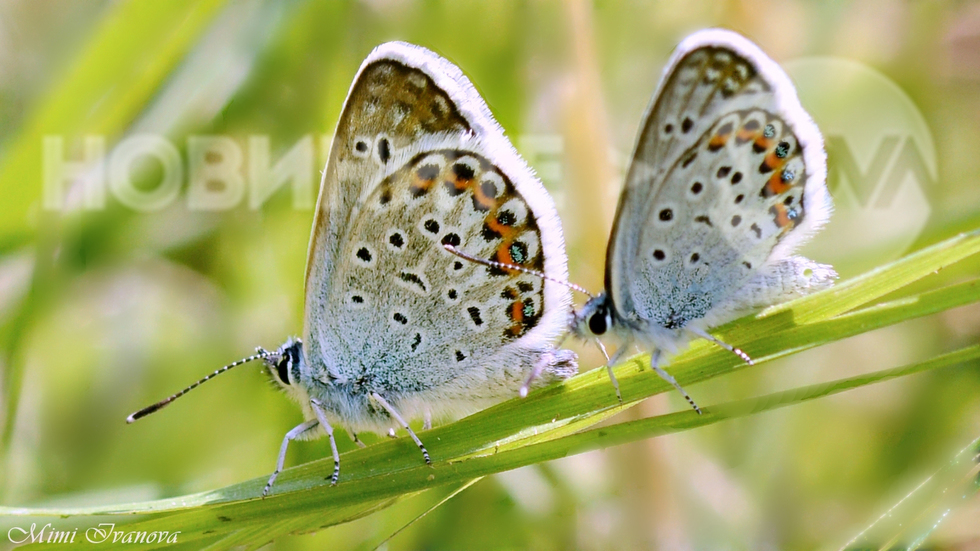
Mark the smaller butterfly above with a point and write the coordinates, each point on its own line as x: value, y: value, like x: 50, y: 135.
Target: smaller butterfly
x: 396, y: 328
x: 727, y: 180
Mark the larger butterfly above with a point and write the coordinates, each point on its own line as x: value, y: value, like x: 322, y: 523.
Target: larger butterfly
x: 397, y: 328
x: 727, y: 180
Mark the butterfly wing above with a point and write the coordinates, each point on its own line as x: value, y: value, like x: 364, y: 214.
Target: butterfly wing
x: 727, y: 178
x: 418, y: 161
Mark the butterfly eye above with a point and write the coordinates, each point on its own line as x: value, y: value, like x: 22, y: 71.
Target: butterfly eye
x: 597, y: 323
x: 282, y: 369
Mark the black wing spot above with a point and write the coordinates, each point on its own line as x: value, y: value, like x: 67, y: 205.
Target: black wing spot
x: 452, y: 294
x: 431, y: 226
x: 736, y: 220
x: 357, y: 299
x: 384, y: 150
x: 460, y: 356
x: 463, y: 171
x: 528, y: 308
x: 474, y: 313
x: 696, y: 188
x: 686, y: 125
x: 704, y: 220
x: 695, y: 257
x: 417, y: 341
x: 489, y: 234
x: 397, y: 240
x: 738, y: 199
x: 400, y: 318
x: 757, y: 230
x: 385, y: 195
x: 668, y: 128
x: 451, y: 239
x: 659, y: 254
x: 364, y: 254
x: 457, y: 265
x: 525, y: 287
x: 360, y: 146
x: 666, y: 215
x: 438, y: 109
x: 788, y: 201
x: 782, y: 149
x: 747, y: 264
x: 518, y: 252
x: 506, y: 218
x: 723, y: 171
x: 736, y: 178
x: 414, y: 279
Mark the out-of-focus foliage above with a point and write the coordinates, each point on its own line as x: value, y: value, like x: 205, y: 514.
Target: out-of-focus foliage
x: 103, y: 310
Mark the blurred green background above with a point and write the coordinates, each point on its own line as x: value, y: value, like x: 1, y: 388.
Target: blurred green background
x: 106, y: 309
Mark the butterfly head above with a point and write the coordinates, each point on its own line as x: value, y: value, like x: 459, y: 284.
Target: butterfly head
x: 594, y: 319
x: 285, y: 364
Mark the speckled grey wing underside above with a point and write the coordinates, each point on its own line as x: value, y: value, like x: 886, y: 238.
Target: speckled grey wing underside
x: 388, y: 308
x: 716, y: 181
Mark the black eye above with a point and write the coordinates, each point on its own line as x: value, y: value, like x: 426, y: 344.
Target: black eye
x: 282, y: 370
x: 597, y: 323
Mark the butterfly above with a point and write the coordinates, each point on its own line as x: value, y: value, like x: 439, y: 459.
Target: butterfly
x: 396, y: 327
x: 727, y: 180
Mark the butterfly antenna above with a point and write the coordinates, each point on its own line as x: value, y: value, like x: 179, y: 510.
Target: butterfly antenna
x: 261, y: 353
x: 737, y: 351
x: 515, y: 267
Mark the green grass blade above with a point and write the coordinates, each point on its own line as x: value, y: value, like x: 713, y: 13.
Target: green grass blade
x: 908, y: 524
x: 323, y: 497
x: 879, y: 282
x: 458, y: 490
x: 555, y: 421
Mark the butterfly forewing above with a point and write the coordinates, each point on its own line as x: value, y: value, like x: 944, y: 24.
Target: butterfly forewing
x: 389, y: 105
x: 717, y: 181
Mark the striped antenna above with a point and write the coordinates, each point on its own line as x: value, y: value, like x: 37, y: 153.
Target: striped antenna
x: 260, y: 354
x: 515, y: 267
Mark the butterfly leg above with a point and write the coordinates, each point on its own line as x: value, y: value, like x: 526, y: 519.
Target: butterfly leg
x: 353, y: 436
x: 290, y: 436
x: 609, y: 369
x: 535, y: 371
x: 397, y: 417
x: 322, y: 418
x: 737, y: 351
x: 655, y: 363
